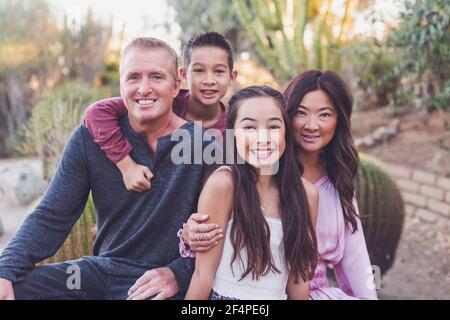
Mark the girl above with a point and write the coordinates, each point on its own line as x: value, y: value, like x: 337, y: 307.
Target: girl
x: 319, y: 105
x: 269, y: 250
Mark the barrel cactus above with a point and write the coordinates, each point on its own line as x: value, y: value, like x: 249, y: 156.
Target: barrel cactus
x: 80, y: 240
x: 382, y: 212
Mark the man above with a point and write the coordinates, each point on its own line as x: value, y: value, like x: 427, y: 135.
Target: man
x: 136, y: 252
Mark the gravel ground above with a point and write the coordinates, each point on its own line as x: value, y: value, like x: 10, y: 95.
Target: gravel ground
x: 422, y: 265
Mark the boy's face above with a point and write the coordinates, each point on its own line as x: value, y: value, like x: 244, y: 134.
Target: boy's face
x: 209, y: 75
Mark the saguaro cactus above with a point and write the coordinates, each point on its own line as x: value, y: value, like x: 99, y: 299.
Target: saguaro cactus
x: 382, y: 212
x: 277, y: 28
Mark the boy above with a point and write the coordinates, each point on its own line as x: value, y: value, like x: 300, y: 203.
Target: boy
x: 208, y: 70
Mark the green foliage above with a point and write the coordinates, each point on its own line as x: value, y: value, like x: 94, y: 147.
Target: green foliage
x: 54, y: 118
x: 442, y: 100
x: 28, y: 36
x: 275, y: 47
x: 109, y: 77
x: 17, y: 16
x: 423, y: 39
x: 379, y: 74
x: 196, y: 16
x: 424, y: 35
x: 37, y: 54
x: 84, y: 47
x: 382, y: 211
x: 277, y: 28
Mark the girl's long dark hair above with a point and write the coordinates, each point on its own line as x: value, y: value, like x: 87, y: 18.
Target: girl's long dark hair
x: 340, y: 156
x: 250, y: 230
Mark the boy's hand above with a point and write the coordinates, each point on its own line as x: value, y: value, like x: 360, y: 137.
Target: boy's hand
x: 136, y: 177
x: 200, y: 236
x: 6, y: 290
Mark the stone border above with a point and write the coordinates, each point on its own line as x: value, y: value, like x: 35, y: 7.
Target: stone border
x: 426, y: 194
x: 381, y: 134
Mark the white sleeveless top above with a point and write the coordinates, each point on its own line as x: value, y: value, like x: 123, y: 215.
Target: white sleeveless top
x: 269, y: 287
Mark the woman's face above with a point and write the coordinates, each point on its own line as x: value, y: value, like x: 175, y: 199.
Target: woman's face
x: 314, y: 122
x: 259, y: 131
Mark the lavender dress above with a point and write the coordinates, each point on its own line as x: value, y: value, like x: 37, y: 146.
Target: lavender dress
x: 344, y: 250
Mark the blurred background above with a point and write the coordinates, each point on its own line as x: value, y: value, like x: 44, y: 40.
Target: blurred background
x: 57, y: 57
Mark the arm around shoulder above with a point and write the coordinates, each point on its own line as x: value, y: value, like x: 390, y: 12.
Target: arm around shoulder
x: 102, y: 121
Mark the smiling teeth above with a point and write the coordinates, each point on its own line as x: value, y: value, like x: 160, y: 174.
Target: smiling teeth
x: 143, y: 102
x: 262, y: 153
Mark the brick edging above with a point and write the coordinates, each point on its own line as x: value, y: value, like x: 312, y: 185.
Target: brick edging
x: 426, y: 194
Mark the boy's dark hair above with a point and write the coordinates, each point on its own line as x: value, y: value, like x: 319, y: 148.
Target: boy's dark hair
x: 213, y: 39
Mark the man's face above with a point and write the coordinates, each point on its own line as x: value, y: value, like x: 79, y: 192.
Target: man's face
x: 147, y: 84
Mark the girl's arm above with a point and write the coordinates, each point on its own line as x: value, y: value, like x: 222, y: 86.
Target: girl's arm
x: 216, y: 200
x: 354, y: 271
x: 101, y: 119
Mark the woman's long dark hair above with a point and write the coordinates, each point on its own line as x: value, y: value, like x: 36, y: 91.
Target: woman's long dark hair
x: 340, y: 156
x: 250, y: 230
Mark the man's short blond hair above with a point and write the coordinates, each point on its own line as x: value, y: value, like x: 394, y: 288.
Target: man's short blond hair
x: 149, y: 43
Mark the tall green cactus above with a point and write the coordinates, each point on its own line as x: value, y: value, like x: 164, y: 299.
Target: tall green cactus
x: 382, y: 212
x: 277, y: 28
x: 80, y: 240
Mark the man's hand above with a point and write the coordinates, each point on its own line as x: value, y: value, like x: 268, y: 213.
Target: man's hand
x: 200, y: 236
x: 6, y: 290
x: 136, y: 177
x: 159, y: 282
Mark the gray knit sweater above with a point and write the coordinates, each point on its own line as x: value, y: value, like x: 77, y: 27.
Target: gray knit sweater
x: 132, y: 227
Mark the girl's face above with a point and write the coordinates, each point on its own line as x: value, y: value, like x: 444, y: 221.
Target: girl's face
x: 314, y: 122
x: 259, y: 131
